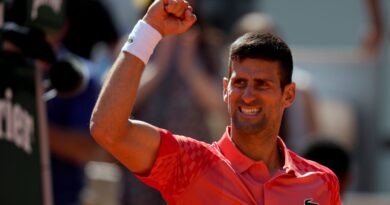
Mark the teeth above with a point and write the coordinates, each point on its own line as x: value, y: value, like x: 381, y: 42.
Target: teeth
x: 250, y: 111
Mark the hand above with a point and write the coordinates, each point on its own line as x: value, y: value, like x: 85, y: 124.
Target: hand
x: 170, y: 16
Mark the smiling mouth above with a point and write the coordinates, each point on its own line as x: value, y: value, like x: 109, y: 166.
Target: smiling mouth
x: 249, y: 111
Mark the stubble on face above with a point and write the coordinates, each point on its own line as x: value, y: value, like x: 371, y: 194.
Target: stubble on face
x: 258, y: 111
x: 247, y: 127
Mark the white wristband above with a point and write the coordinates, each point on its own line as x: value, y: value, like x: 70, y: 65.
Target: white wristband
x: 142, y: 41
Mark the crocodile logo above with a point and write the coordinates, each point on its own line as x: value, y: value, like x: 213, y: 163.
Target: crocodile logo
x: 130, y: 39
x: 310, y: 202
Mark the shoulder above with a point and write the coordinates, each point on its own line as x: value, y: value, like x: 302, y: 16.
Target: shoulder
x: 187, y: 146
x: 309, y: 168
x: 305, y: 166
x: 179, y: 162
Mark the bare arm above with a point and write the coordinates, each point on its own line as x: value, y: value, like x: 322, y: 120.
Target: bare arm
x: 375, y: 33
x: 76, y: 146
x: 134, y: 143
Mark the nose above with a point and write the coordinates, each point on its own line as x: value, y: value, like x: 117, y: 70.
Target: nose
x: 248, y: 96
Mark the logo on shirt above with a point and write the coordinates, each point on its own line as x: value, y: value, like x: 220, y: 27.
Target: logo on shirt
x: 130, y: 39
x: 310, y: 202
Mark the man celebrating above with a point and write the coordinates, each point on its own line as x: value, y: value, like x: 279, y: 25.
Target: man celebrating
x: 250, y: 164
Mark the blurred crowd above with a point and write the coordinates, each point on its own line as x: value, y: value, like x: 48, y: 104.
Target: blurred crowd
x: 74, y: 44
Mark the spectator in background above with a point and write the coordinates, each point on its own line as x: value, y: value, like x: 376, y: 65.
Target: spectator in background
x: 92, y: 33
x: 71, y: 146
x: 70, y: 142
x: 89, y: 23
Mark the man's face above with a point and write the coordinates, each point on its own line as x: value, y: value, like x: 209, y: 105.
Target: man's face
x: 254, y: 97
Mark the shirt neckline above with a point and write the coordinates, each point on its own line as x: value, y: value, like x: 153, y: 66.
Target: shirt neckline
x: 241, y: 163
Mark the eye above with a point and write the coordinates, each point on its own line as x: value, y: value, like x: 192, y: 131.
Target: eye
x: 239, y: 83
x: 261, y: 84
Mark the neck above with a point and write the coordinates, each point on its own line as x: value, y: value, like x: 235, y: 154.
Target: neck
x: 259, y: 147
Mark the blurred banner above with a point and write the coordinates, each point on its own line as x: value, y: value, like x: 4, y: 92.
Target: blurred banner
x: 24, y: 161
x: 1, y: 13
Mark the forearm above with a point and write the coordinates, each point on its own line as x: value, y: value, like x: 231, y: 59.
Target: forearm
x: 119, y: 92
x: 135, y: 143
x: 116, y: 100
x: 375, y: 14
x: 205, y: 89
x: 210, y: 98
x: 374, y: 35
x: 76, y: 146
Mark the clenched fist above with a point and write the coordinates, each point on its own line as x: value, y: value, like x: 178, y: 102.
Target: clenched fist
x: 170, y: 16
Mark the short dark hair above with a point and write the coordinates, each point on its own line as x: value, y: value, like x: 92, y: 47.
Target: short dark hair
x: 265, y: 46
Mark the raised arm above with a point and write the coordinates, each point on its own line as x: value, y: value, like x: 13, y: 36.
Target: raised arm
x: 132, y: 142
x: 374, y: 35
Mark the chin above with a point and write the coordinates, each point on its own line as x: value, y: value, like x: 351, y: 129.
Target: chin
x: 248, y: 128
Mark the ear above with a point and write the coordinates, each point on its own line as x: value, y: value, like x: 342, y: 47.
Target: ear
x: 225, y: 86
x: 289, y: 95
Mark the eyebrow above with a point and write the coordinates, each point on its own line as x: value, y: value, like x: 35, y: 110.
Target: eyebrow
x: 263, y: 80
x: 257, y: 80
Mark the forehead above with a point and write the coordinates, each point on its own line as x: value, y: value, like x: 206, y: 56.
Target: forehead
x: 257, y: 68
